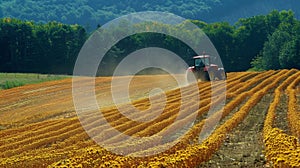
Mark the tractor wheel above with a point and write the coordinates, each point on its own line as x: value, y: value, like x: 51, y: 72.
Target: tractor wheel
x: 204, y: 76
x: 221, y: 74
x: 224, y: 76
x: 212, y: 75
x: 191, y: 77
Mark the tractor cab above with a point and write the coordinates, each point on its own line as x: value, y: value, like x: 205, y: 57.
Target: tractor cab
x: 201, y: 61
x: 204, y: 70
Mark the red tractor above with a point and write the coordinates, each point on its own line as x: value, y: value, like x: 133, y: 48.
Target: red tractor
x: 204, y: 70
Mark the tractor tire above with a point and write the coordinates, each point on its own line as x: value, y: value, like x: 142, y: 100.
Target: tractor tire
x: 224, y: 77
x: 221, y: 74
x: 204, y: 76
x: 191, y: 77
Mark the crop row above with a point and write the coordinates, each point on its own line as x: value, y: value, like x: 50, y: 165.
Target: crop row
x: 293, y: 113
x: 54, y: 145
x: 175, y: 124
x: 192, y: 154
x: 282, y: 150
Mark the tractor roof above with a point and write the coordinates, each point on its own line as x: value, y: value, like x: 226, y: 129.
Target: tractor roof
x: 201, y: 56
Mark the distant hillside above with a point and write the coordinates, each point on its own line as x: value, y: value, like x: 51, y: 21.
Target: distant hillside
x: 89, y: 13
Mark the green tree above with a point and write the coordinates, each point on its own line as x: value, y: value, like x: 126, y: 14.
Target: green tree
x: 250, y: 36
x: 289, y: 56
x: 221, y: 35
x: 272, y: 49
x: 43, y: 48
x: 280, y: 49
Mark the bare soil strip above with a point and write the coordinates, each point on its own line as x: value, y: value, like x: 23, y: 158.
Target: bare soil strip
x: 244, y: 146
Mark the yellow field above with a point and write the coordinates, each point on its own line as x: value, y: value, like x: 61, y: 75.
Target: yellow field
x: 39, y: 126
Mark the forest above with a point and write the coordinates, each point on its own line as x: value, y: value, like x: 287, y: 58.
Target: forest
x: 26, y: 46
x: 90, y: 13
x: 260, y: 42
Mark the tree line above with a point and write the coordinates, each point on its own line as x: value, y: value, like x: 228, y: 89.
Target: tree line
x: 92, y: 12
x: 260, y: 42
x: 89, y: 13
x: 26, y: 46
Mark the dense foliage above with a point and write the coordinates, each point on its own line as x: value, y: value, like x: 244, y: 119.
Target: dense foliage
x: 262, y: 40
x: 89, y: 13
x: 269, y: 41
x: 246, y: 44
x: 45, y: 48
x: 282, y: 48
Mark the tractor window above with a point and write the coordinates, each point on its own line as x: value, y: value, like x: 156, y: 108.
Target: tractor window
x: 206, y: 61
x: 199, y: 63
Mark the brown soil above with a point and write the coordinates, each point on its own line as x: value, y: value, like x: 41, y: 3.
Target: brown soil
x: 244, y: 146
